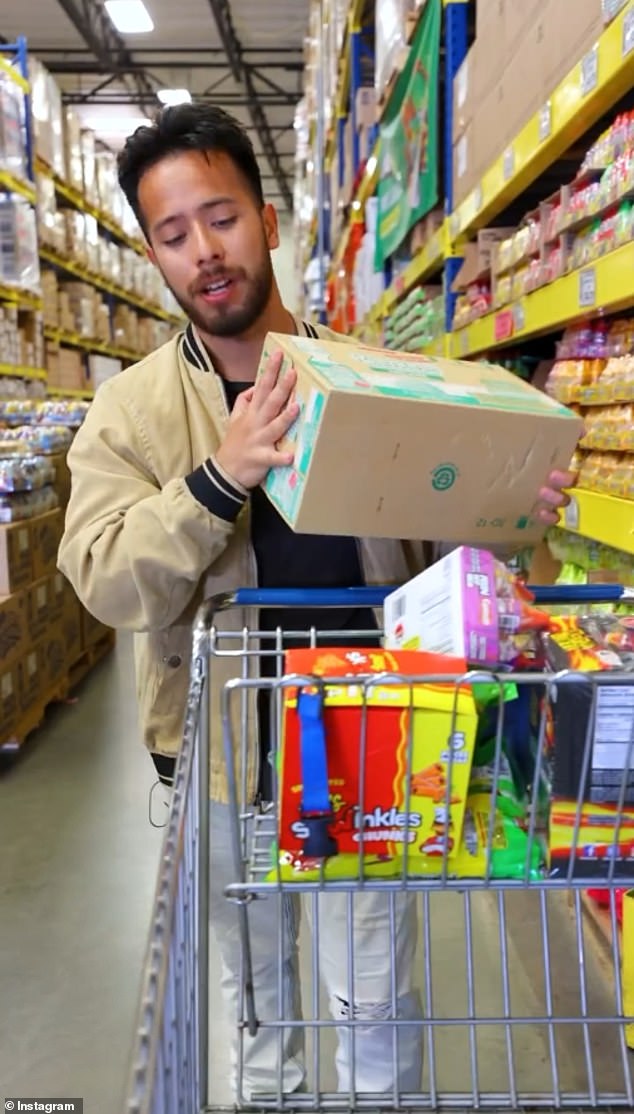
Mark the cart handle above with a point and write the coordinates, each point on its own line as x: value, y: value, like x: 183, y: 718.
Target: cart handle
x: 375, y: 597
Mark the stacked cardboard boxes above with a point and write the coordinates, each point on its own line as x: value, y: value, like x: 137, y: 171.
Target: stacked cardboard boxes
x: 43, y: 628
x: 521, y: 53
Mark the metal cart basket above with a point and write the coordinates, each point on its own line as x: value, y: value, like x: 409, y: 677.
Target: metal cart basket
x: 507, y: 1002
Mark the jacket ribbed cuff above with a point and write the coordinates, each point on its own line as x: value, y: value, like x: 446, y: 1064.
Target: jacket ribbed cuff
x: 212, y: 487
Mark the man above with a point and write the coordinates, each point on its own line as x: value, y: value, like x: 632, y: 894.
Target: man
x: 166, y: 510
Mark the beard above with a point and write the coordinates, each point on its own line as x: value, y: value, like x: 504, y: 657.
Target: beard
x: 228, y: 320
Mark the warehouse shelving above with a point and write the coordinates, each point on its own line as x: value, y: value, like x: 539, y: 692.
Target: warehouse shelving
x: 13, y: 372
x: 78, y: 201
x: 70, y: 392
x: 606, y: 286
x: 590, y: 89
x: 74, y: 340
x: 12, y: 184
x: 77, y: 271
x: 24, y: 299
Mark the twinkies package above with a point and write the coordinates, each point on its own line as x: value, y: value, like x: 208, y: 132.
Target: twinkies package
x: 381, y: 764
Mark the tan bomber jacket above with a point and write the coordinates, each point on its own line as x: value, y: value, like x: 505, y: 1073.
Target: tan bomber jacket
x: 142, y: 553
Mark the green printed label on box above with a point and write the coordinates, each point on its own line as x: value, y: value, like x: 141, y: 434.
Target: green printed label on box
x: 286, y: 485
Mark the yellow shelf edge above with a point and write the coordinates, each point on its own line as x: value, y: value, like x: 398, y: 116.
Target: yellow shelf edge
x: 554, y: 306
x: 83, y: 205
x: 118, y: 292
x: 70, y: 392
x: 14, y: 75
x: 9, y: 182
x: 602, y: 518
x: 74, y: 340
x: 8, y: 371
x: 571, y: 113
x: 22, y: 298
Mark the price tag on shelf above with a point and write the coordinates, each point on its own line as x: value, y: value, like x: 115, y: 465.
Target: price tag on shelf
x: 628, y: 33
x: 587, y: 288
x: 509, y: 164
x: 504, y: 325
x: 546, y: 122
x: 572, y: 517
x: 590, y: 71
x: 478, y: 198
x: 519, y: 317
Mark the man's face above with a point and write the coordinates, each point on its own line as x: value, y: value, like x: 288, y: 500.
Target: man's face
x: 210, y: 239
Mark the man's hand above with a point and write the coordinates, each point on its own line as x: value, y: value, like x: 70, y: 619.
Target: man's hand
x: 553, y: 497
x: 260, y: 419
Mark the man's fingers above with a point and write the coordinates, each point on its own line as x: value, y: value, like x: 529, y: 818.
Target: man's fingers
x: 281, y: 425
x: 279, y: 398
x: 267, y: 380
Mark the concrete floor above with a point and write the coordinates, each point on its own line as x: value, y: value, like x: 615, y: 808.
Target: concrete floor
x: 77, y: 872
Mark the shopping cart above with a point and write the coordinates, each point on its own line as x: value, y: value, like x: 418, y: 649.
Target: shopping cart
x: 521, y: 1009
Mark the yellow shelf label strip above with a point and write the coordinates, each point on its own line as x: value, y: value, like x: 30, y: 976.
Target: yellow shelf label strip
x: 602, y: 518
x: 606, y: 285
x: 589, y: 91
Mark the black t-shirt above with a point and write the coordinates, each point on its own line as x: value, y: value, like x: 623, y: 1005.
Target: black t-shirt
x: 285, y: 559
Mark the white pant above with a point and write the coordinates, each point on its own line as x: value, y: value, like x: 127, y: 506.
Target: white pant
x: 382, y: 974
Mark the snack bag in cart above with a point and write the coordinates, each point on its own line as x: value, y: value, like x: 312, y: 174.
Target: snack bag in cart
x: 329, y: 805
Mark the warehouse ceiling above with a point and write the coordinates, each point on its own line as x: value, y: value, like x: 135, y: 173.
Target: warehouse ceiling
x: 244, y: 55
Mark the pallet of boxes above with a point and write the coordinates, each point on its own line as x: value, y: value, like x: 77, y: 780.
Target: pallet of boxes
x: 48, y: 642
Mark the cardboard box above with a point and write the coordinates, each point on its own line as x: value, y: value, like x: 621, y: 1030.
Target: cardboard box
x: 46, y: 534
x: 58, y: 594
x: 467, y: 165
x: 9, y: 689
x: 490, y: 18
x: 478, y: 257
x: 70, y: 627
x: 16, y: 561
x: 463, y: 97
x: 459, y: 450
x: 450, y: 608
x: 14, y: 632
x: 38, y: 603
x: 52, y: 659
x: 30, y: 680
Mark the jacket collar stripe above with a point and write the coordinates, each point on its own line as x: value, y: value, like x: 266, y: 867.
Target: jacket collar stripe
x: 195, y: 353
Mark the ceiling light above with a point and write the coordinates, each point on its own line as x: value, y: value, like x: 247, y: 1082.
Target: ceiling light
x: 130, y: 17
x: 115, y: 125
x: 174, y: 96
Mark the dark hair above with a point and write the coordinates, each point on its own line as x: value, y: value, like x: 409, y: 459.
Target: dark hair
x: 185, y: 127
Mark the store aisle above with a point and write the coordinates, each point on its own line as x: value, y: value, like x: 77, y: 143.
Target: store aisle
x: 77, y: 872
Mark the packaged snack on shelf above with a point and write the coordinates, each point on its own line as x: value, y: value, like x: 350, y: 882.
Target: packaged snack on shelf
x: 25, y: 473
x: 609, y: 428
x: 35, y: 439
x: 27, y: 504
x: 440, y: 722
x: 469, y: 605
x: 18, y: 411
x: 62, y: 412
x: 590, y: 736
